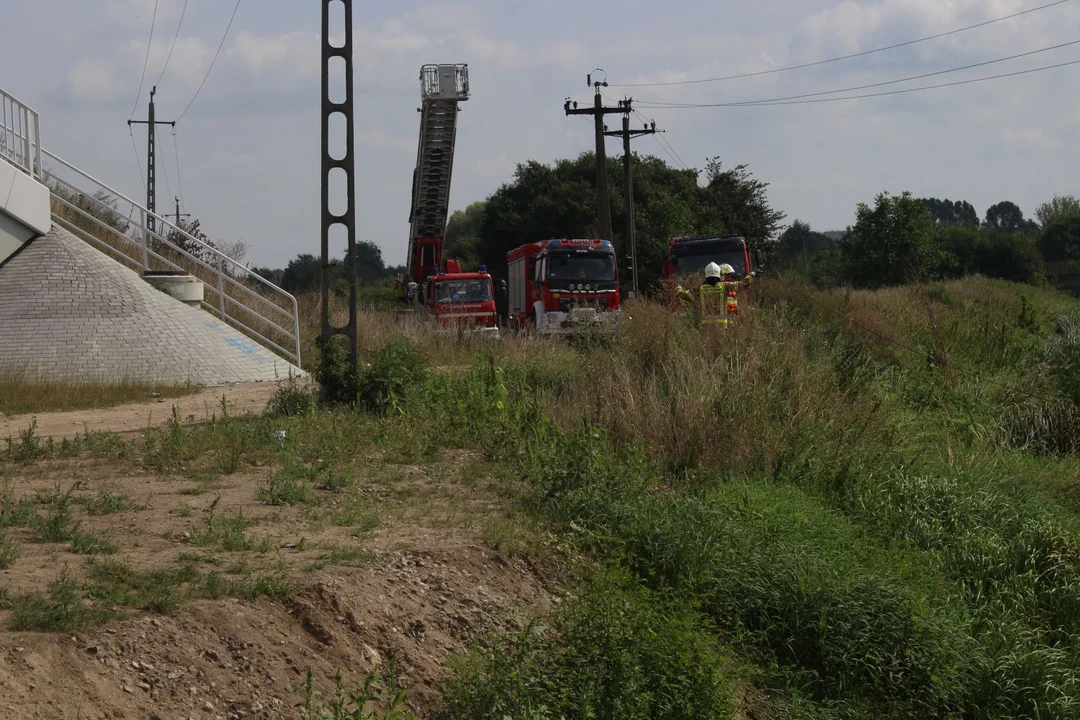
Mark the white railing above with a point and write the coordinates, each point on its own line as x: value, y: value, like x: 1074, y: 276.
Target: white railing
x: 20, y: 135
x: 116, y: 225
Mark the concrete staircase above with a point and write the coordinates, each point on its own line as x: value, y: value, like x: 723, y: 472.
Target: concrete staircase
x: 74, y: 245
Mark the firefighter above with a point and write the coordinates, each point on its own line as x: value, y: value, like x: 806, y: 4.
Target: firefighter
x: 719, y: 300
x: 713, y: 294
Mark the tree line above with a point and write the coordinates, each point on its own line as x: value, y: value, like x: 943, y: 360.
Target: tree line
x: 902, y: 239
x: 898, y: 239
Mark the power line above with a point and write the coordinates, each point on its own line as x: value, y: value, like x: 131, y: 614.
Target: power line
x: 220, y: 45
x: 879, y: 84
x: 146, y: 61
x: 173, y: 47
x: 845, y: 57
x: 179, y: 178
x: 164, y: 165
x: 880, y: 94
x: 138, y: 160
x: 662, y: 142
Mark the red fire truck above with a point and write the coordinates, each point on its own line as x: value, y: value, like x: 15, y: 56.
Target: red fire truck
x: 460, y: 300
x: 688, y: 256
x: 563, y: 287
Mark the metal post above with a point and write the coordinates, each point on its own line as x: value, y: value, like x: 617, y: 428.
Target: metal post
x: 221, y: 286
x: 347, y: 220
x: 151, y: 164
x: 631, y: 230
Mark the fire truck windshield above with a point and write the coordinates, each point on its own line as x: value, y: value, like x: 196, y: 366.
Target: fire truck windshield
x: 695, y: 264
x: 589, y: 268
x: 463, y: 291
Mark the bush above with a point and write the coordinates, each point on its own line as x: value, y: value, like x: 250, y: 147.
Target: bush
x: 395, y: 368
x: 620, y: 652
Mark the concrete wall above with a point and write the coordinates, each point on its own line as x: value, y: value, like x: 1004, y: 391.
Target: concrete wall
x: 25, y: 211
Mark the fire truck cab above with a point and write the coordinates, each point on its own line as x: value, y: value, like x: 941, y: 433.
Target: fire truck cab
x: 459, y: 300
x: 688, y: 256
x: 563, y: 287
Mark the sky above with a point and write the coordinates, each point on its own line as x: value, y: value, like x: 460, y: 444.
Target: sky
x: 248, y: 148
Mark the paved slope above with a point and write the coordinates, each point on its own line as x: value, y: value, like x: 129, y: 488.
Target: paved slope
x: 69, y: 312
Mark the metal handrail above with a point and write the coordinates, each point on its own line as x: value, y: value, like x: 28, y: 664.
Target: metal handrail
x: 219, y: 267
x: 20, y: 135
x: 147, y: 252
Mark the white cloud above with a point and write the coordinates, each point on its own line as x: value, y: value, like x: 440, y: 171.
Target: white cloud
x: 94, y: 80
x: 285, y: 59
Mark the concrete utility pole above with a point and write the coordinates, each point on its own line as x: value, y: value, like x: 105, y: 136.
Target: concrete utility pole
x: 151, y: 159
x: 347, y: 164
x: 603, y: 196
x: 628, y: 178
x: 178, y: 213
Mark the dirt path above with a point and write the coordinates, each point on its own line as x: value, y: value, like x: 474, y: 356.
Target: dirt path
x: 242, y: 398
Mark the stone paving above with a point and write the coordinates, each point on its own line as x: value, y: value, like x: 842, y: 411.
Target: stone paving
x: 69, y: 312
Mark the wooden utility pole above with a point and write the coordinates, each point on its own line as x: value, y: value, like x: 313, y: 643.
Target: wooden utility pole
x: 603, y: 195
x: 151, y: 159
x: 628, y: 178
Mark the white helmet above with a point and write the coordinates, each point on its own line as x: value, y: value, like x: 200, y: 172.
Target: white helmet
x: 726, y: 269
x: 712, y: 270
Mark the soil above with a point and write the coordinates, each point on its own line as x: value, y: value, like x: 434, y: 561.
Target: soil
x: 411, y: 585
x: 134, y: 417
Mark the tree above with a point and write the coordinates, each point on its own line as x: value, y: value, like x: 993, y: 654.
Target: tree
x: 1060, y: 208
x: 559, y: 200
x: 301, y: 274
x: 1008, y: 216
x: 948, y: 212
x: 462, y: 238
x: 740, y: 205
x: 190, y: 237
x: 1060, y: 239
x: 891, y: 243
x: 370, y: 266
x: 1011, y: 256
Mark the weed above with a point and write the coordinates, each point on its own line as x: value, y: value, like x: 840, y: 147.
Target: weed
x: 29, y: 446
x: 9, y: 551
x: 15, y: 513
x: 92, y: 545
x: 381, y: 697
x: 59, y: 610
x: 107, y: 503
x: 228, y: 534
x: 292, y: 400
x: 59, y: 525
x: 287, y: 486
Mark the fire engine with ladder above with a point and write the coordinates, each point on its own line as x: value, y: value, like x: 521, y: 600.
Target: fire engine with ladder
x: 435, y: 289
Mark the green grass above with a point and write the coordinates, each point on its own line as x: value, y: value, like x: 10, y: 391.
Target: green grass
x: 107, y: 503
x: 619, y: 652
x: 858, y: 504
x: 9, y: 550
x: 21, y: 393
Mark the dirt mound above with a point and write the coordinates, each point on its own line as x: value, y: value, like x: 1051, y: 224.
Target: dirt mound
x: 233, y: 659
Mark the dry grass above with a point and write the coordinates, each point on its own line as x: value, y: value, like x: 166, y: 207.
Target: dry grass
x: 23, y: 393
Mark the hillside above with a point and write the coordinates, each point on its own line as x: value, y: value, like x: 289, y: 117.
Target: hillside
x: 849, y: 504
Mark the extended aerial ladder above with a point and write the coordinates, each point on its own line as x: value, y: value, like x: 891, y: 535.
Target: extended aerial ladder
x: 442, y: 87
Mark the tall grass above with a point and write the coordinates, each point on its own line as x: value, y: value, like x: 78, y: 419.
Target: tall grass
x: 24, y: 392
